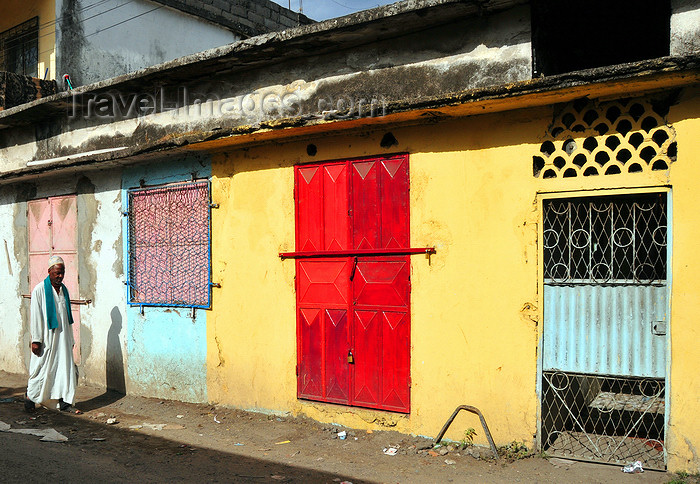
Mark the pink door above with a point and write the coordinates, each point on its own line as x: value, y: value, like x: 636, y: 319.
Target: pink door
x: 53, y: 231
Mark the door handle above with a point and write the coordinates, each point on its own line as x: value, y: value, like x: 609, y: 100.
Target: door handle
x: 658, y: 328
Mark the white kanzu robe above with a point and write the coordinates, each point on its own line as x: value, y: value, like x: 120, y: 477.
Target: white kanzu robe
x: 52, y: 375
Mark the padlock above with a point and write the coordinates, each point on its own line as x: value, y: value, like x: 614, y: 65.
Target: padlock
x: 351, y: 360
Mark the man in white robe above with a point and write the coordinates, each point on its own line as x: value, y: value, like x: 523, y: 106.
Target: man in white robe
x: 53, y: 374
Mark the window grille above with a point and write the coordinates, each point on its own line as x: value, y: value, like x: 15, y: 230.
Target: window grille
x: 169, y: 245
x: 19, y: 48
x: 605, y: 240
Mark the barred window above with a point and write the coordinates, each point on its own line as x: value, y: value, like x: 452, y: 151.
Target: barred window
x: 19, y: 48
x: 169, y: 245
x: 605, y: 240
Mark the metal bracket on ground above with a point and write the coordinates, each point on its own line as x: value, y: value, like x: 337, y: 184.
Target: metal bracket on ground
x: 475, y: 410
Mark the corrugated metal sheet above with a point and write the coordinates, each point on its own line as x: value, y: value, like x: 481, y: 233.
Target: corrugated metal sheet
x: 605, y: 329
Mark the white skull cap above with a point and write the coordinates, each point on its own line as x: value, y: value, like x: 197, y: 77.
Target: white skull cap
x: 55, y: 259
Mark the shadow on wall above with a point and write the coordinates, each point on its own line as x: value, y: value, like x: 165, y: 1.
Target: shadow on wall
x: 115, y: 362
x: 114, y: 365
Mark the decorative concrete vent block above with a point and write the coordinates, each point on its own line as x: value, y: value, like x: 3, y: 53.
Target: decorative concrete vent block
x: 16, y: 89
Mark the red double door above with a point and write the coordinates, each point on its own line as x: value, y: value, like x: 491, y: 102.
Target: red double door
x: 353, y: 319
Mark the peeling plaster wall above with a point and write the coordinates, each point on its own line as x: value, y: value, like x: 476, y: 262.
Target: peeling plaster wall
x: 14, y: 277
x: 103, y: 332
x: 166, y: 346
x: 472, y: 53
x: 99, y: 271
x: 17, y: 146
x: 685, y: 27
x: 91, y: 46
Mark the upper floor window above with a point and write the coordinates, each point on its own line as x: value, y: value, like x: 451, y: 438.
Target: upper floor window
x: 19, y: 48
x: 583, y: 34
x: 169, y: 245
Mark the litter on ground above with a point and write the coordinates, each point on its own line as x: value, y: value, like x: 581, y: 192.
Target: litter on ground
x: 634, y: 468
x: 47, y: 435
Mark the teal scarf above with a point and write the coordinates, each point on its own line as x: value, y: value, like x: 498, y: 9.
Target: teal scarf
x: 51, y: 306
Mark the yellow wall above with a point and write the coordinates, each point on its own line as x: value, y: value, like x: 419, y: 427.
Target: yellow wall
x: 15, y: 12
x: 683, y: 440
x: 475, y: 304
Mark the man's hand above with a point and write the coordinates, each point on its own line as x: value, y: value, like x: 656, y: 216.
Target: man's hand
x: 36, y: 349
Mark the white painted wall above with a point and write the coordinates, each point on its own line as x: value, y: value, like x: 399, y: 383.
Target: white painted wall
x: 11, y: 359
x: 104, y: 321
x: 121, y: 36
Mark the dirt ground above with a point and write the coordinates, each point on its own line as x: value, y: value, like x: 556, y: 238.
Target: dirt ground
x: 164, y: 441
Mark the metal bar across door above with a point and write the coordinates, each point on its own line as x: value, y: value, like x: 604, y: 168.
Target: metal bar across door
x: 357, y: 252
x: 82, y: 302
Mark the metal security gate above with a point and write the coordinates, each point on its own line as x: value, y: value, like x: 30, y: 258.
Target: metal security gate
x: 605, y: 320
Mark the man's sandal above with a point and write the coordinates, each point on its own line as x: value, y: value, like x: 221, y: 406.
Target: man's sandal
x: 67, y: 407
x: 29, y: 406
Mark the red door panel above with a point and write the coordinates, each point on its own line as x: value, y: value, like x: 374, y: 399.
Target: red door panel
x: 382, y: 282
x: 310, y: 349
x: 335, y: 207
x: 64, y: 220
x: 366, y: 205
x: 394, y: 206
x: 367, y: 333
x: 309, y: 190
x: 37, y: 269
x: 38, y: 220
x: 323, y: 282
x: 337, y: 346
x: 396, y: 361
